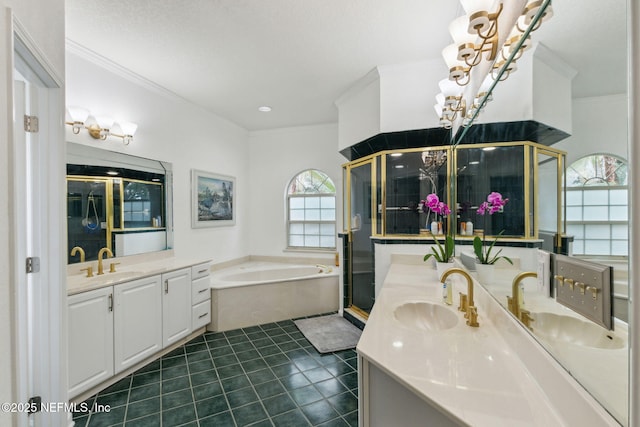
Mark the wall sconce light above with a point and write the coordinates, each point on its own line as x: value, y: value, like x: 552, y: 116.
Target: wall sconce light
x: 450, y: 103
x: 476, y: 37
x: 99, y: 127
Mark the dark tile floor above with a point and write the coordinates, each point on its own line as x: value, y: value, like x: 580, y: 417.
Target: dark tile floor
x: 267, y: 375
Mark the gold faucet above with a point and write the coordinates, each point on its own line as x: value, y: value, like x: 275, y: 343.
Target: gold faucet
x: 513, y: 301
x: 466, y: 301
x: 100, y: 255
x: 78, y: 250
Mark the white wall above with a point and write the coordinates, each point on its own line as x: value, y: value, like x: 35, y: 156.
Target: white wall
x: 173, y: 130
x: 599, y: 126
x: 408, y: 94
x: 44, y: 24
x: 275, y: 157
x: 359, y: 111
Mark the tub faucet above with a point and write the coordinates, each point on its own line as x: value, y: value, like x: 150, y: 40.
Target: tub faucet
x: 466, y: 300
x: 100, y: 255
x: 513, y: 302
x: 78, y: 250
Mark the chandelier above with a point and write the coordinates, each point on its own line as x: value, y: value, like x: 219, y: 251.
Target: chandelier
x: 488, y: 41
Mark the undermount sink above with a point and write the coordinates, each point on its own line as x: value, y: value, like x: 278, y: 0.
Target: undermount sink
x: 116, y: 276
x: 567, y: 329
x: 426, y: 316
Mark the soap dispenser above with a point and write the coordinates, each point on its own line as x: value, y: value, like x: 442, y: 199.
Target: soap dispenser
x: 469, y: 228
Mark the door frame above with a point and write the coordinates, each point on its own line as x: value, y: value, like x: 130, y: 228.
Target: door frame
x: 42, y: 371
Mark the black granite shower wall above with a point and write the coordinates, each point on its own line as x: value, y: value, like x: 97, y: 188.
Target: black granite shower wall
x: 528, y: 130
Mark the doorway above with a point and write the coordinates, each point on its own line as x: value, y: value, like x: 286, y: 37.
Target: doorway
x: 37, y: 268
x: 361, y: 287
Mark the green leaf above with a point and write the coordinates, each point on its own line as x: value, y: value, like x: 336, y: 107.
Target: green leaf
x: 442, y: 253
x: 449, y: 245
x: 477, y: 249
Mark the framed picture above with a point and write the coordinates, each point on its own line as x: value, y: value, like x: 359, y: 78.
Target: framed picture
x: 212, y: 199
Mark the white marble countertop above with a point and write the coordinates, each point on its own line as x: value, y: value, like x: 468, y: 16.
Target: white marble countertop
x: 473, y: 374
x: 130, y: 268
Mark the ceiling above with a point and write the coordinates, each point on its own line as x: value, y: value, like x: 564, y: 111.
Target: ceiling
x: 299, y: 56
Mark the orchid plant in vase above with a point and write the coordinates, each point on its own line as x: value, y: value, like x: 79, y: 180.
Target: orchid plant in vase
x: 494, y: 203
x: 442, y: 253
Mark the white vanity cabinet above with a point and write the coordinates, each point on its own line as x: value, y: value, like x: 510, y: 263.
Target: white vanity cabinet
x: 176, y: 306
x: 137, y: 321
x: 116, y: 328
x: 90, y: 316
x: 200, y: 296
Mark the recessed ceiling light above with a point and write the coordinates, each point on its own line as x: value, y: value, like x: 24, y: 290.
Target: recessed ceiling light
x: 399, y: 166
x: 396, y: 154
x: 112, y: 173
x: 264, y: 109
x: 474, y: 163
x: 489, y: 148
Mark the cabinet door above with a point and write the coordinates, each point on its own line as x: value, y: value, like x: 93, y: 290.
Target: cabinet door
x: 90, y: 345
x: 176, y: 306
x: 137, y: 321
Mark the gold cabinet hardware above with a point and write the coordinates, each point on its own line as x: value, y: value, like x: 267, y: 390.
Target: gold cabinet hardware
x: 559, y: 279
x: 581, y: 286
x: 594, y: 292
x: 569, y: 282
x: 89, y: 271
x: 112, y: 267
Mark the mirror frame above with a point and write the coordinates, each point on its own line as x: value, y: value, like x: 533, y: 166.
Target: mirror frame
x: 94, y: 156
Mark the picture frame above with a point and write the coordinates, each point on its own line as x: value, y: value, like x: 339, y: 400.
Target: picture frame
x: 212, y: 199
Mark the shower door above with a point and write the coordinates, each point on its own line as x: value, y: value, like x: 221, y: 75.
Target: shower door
x: 87, y: 215
x: 362, y: 286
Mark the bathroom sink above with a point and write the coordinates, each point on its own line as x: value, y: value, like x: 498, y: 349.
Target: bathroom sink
x: 559, y: 328
x: 426, y: 316
x: 116, y: 277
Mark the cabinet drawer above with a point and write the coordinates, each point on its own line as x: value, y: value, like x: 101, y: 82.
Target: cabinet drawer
x: 201, y: 314
x: 200, y: 290
x: 200, y: 270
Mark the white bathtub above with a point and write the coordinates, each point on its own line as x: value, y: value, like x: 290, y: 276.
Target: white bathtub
x: 255, y: 293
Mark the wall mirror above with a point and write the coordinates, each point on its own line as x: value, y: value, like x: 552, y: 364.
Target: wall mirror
x: 599, y: 90
x: 118, y: 201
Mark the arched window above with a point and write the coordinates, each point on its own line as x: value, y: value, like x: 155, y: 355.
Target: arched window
x: 311, y: 211
x: 597, y: 202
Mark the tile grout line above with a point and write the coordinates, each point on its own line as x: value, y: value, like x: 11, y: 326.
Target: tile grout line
x: 215, y: 367
x: 193, y: 398
x: 260, y: 337
x: 286, y: 390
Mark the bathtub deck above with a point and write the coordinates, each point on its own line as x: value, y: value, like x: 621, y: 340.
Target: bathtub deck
x: 251, y: 304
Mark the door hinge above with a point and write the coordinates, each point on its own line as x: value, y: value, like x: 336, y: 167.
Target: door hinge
x: 33, y: 264
x: 30, y: 123
x: 35, y: 405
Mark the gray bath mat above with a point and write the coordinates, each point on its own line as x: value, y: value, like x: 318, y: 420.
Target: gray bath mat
x: 329, y: 333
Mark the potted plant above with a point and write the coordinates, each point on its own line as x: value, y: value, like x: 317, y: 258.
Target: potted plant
x: 494, y: 203
x: 443, y: 254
